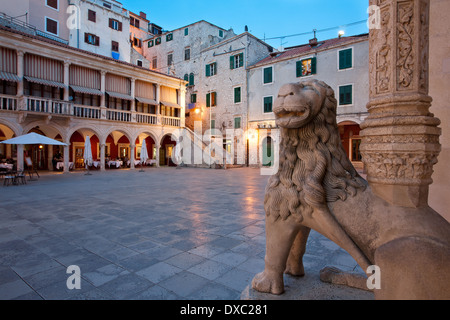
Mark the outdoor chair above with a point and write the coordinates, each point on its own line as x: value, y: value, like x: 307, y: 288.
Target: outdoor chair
x: 9, y: 179
x: 20, y: 178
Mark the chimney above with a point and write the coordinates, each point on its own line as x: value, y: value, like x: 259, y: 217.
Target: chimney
x: 313, y: 42
x: 143, y: 15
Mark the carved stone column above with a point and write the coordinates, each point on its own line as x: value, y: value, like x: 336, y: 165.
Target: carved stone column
x: 400, y: 136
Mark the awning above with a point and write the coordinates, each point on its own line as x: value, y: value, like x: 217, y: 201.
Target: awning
x: 170, y: 104
x: 119, y: 95
x: 45, y: 82
x: 79, y: 89
x: 147, y: 101
x: 9, y: 76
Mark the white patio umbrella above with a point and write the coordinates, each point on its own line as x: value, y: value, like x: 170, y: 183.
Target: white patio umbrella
x: 87, y: 156
x: 33, y: 138
x: 144, y: 154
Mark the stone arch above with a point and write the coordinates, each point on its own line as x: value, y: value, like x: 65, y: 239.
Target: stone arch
x: 349, y: 131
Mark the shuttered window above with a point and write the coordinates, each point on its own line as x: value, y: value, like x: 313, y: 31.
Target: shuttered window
x: 92, y: 15
x: 237, y: 95
x: 211, y: 99
x: 345, y: 59
x: 114, y: 24
x: 306, y: 67
x: 91, y: 39
x: 169, y: 37
x: 52, y: 3
x: 268, y: 75
x: 211, y: 69
x: 237, y: 61
x: 191, y: 79
x: 268, y: 102
x: 346, y: 95
x: 51, y: 26
x: 237, y: 123
x: 115, y: 46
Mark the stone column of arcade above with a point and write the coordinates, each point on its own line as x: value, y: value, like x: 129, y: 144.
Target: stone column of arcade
x: 400, y: 141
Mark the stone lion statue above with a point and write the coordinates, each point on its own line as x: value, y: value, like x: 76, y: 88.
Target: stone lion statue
x: 316, y: 187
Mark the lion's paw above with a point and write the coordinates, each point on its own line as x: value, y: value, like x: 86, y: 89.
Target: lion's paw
x: 262, y: 282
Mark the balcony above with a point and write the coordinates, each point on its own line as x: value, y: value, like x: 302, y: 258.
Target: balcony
x: 37, y: 106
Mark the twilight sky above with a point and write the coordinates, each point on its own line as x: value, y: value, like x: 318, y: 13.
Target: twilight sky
x: 265, y: 19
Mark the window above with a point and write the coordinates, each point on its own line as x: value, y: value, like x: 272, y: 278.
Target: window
x: 346, y: 95
x: 345, y: 59
x: 268, y: 75
x: 137, y: 42
x: 237, y: 123
x: 169, y: 59
x: 107, y: 5
x: 211, y: 69
x: 306, y: 67
x: 114, y: 24
x: 191, y: 79
x: 134, y: 22
x: 91, y: 39
x: 211, y: 99
x: 213, y: 124
x: 221, y: 33
x: 154, y: 63
x: 268, y: 102
x: 51, y: 26
x: 115, y: 46
x: 139, y: 63
x: 237, y: 61
x: 150, y: 44
x: 92, y: 15
x: 187, y: 54
x: 52, y: 4
x: 237, y: 95
x: 194, y: 98
x: 186, y: 31
x: 169, y: 37
x: 158, y: 41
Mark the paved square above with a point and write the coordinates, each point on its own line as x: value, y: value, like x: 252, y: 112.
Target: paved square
x: 164, y: 233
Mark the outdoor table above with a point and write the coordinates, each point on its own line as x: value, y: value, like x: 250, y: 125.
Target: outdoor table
x: 60, y: 165
x: 6, y: 166
x: 116, y: 163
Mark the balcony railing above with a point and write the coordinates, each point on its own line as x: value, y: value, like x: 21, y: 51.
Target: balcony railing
x: 146, y: 118
x: 171, y: 121
x: 48, y: 106
x: 8, y: 103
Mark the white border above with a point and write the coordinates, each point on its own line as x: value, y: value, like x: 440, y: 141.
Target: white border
x: 262, y: 104
x: 353, y: 58
x: 57, y: 26
x: 52, y: 7
x: 273, y: 75
x: 353, y: 95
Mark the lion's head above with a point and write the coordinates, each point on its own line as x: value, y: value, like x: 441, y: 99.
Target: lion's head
x: 313, y: 166
x: 299, y: 103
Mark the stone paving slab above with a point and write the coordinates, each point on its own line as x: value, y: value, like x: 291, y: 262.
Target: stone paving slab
x: 162, y: 234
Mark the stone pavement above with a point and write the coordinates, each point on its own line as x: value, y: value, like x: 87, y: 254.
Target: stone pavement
x: 162, y: 234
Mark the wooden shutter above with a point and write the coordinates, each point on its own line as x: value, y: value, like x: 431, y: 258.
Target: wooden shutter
x: 268, y: 104
x: 191, y: 79
x: 268, y: 75
x: 313, y: 65
x: 120, y: 26
x: 208, y: 100
x: 241, y: 59
x: 92, y: 16
x: 97, y: 41
x: 186, y: 77
x: 52, y: 26
x: 110, y: 22
x: 237, y: 123
x: 232, y: 62
x: 298, y: 69
x: 345, y: 95
x: 208, y: 70
x: 237, y: 95
x: 345, y: 59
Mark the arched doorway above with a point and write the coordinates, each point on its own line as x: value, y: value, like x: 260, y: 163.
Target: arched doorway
x: 40, y: 157
x: 117, y: 150
x: 267, y: 151
x: 76, y: 151
x: 8, y: 152
x: 168, y: 143
x: 351, y: 140
x: 150, y: 145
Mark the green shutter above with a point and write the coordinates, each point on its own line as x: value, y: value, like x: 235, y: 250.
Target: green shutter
x: 186, y: 31
x: 313, y: 65
x: 186, y: 77
x: 208, y: 100
x: 345, y: 59
x: 208, y: 70
x: 268, y: 75
x: 237, y: 95
x: 237, y: 123
x: 345, y: 95
x: 268, y: 104
x: 150, y: 43
x: 298, y: 68
x: 232, y: 62
x: 191, y: 79
x: 241, y: 59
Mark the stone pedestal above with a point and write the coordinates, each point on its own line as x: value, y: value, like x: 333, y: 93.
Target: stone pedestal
x: 400, y: 136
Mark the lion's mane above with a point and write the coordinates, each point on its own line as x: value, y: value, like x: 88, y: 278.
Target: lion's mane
x: 313, y: 167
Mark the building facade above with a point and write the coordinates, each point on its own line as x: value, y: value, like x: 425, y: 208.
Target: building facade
x: 68, y: 94
x: 342, y: 63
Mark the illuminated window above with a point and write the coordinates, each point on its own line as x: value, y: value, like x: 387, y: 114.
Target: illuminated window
x: 306, y: 67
